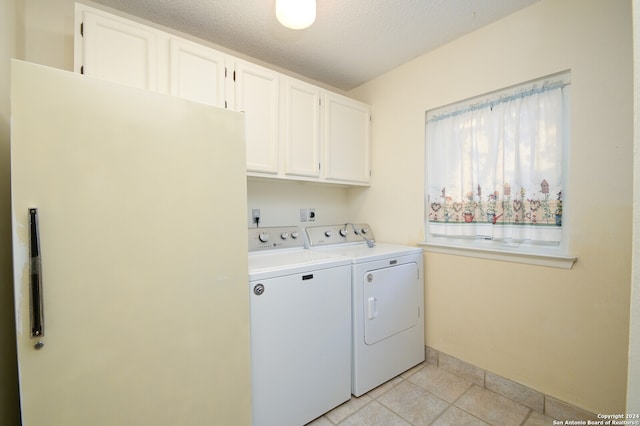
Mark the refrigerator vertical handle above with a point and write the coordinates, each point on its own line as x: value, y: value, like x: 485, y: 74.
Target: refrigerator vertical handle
x: 35, y: 276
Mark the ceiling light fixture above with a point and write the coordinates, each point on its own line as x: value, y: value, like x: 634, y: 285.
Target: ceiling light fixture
x: 296, y: 14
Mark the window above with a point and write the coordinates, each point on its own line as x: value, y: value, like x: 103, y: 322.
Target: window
x: 495, y: 169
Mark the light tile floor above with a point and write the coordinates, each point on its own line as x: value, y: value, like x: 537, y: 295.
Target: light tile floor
x: 429, y: 395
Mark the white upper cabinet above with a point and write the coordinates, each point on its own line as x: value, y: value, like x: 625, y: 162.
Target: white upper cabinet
x: 293, y: 129
x: 301, y: 129
x: 196, y: 72
x: 117, y: 49
x: 256, y: 95
x: 347, y: 140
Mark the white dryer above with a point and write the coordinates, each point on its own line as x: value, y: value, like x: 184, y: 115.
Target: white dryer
x: 387, y: 302
x: 300, y: 328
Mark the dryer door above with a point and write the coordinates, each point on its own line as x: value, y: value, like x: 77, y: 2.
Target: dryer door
x: 390, y: 301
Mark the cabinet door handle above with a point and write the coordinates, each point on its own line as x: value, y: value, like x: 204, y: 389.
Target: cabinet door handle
x: 35, y: 276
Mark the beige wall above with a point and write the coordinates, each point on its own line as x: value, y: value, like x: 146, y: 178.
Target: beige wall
x: 633, y: 386
x: 562, y: 332
x: 9, y: 409
x: 48, y: 32
x: 280, y: 202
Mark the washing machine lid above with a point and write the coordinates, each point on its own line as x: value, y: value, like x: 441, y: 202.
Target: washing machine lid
x: 360, y: 252
x: 283, y: 262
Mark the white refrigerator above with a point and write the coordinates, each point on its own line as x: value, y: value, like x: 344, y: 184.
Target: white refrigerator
x: 130, y: 255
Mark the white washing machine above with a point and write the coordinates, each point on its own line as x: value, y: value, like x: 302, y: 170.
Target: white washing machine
x: 300, y: 328
x: 388, y: 302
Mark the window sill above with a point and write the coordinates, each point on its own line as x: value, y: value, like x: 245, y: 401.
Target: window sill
x: 553, y: 261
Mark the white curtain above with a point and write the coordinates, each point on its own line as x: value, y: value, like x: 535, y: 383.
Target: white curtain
x: 494, y: 169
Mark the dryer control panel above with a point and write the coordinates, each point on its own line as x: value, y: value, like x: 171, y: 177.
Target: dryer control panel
x: 339, y: 234
x: 275, y: 238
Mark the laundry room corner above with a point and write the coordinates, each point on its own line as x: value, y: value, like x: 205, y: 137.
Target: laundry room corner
x: 525, y: 322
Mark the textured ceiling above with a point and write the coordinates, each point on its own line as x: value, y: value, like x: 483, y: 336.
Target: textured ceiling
x: 351, y: 41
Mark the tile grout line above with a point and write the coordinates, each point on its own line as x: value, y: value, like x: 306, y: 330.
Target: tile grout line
x: 529, y: 413
x: 484, y: 386
x: 403, y: 379
x: 462, y: 409
x: 435, y: 357
x: 545, y: 397
x: 406, y: 379
x: 449, y: 404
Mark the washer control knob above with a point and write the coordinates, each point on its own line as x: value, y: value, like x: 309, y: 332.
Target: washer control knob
x: 295, y: 234
x: 284, y: 235
x: 328, y: 233
x: 343, y: 232
x: 263, y: 237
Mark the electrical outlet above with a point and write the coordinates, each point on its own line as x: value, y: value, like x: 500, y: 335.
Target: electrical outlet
x: 255, y: 216
x: 303, y: 215
x: 312, y: 215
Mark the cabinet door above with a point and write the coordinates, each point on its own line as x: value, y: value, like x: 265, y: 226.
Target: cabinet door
x: 257, y: 91
x: 197, y: 73
x: 119, y: 50
x: 302, y: 129
x: 347, y: 140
